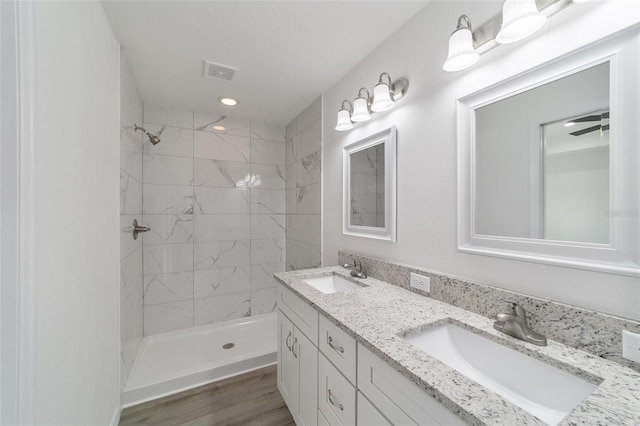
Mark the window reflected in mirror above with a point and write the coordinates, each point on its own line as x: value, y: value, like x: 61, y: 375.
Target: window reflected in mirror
x: 542, y: 161
x: 576, y: 179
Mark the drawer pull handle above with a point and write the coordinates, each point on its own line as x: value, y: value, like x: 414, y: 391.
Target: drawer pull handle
x: 334, y: 347
x: 293, y: 347
x: 286, y: 342
x: 340, y: 406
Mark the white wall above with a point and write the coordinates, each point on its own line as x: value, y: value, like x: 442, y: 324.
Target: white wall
x: 75, y: 220
x: 131, y: 284
x: 426, y: 123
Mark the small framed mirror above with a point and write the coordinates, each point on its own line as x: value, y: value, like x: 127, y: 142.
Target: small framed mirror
x: 369, y: 191
x: 548, y: 162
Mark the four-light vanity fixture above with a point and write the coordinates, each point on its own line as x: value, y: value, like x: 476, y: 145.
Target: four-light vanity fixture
x: 385, y: 95
x: 519, y: 19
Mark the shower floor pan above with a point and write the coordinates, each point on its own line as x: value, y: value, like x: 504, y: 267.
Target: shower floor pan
x: 172, y: 362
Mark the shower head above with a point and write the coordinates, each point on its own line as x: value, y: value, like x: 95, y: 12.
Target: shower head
x: 152, y: 138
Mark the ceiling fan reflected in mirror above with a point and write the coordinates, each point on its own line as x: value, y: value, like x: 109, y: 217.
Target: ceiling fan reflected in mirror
x: 588, y: 119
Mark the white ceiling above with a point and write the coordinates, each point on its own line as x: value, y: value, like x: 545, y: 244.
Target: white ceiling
x: 287, y: 52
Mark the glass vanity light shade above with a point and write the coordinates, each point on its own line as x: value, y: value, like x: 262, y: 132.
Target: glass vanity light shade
x: 344, y: 121
x: 461, y: 52
x: 360, y: 111
x: 381, y: 98
x: 520, y: 19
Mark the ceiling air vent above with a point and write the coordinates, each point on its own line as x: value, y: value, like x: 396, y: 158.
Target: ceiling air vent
x: 218, y: 71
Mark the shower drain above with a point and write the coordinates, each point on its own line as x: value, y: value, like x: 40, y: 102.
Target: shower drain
x: 228, y: 345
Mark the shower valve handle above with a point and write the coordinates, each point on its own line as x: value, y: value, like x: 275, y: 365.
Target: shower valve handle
x: 138, y: 229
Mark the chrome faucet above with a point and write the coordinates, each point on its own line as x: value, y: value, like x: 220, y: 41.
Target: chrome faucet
x: 514, y: 323
x: 356, y: 270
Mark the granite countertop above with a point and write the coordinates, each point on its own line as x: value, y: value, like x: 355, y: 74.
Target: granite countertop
x: 378, y: 314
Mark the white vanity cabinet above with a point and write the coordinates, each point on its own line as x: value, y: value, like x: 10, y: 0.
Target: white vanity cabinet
x: 328, y: 379
x: 298, y: 358
x: 396, y: 397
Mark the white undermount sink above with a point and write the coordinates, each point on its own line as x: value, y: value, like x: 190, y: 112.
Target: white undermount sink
x: 540, y: 389
x: 331, y: 284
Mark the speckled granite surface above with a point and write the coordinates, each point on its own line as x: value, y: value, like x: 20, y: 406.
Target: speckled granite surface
x: 594, y: 332
x: 377, y: 315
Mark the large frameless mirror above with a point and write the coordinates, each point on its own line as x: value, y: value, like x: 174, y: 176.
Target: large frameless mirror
x: 548, y: 162
x: 369, y: 186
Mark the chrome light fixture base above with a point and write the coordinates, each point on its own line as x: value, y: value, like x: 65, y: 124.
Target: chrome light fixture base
x: 385, y: 94
x: 484, y: 37
x: 399, y: 88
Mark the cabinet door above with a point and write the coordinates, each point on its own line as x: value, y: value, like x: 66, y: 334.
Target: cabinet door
x: 287, y: 371
x: 396, y: 397
x: 306, y: 359
x: 368, y: 415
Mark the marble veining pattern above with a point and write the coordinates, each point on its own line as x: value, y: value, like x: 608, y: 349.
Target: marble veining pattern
x: 263, y: 301
x: 204, y: 122
x: 131, y: 275
x: 195, y: 192
x: 221, y: 147
x: 227, y: 174
x: 168, y: 228
x: 175, y: 141
x: 268, y: 201
x: 167, y: 199
x: 267, y: 131
x: 222, y: 308
x: 215, y: 282
x: 378, y: 314
x: 221, y: 254
x: 170, y: 287
x: 221, y: 200
x: 164, y: 317
x: 222, y: 227
x: 303, y: 170
x: 262, y: 275
x: 593, y: 332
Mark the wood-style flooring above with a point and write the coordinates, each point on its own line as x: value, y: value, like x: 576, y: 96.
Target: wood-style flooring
x: 249, y: 399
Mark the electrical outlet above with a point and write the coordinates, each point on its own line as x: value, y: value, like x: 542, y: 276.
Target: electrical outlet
x: 421, y: 282
x: 630, y: 346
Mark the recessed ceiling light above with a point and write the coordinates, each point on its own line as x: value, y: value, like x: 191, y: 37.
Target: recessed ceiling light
x: 569, y: 124
x: 224, y: 100
x: 218, y: 127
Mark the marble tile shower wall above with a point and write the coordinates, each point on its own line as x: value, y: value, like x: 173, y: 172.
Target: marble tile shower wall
x: 215, y: 202
x: 303, y: 173
x: 131, y: 306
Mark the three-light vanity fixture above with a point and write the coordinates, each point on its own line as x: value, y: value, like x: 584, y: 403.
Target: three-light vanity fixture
x: 385, y: 95
x: 519, y: 19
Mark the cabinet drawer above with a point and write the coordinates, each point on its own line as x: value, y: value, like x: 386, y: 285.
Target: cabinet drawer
x: 368, y: 415
x: 338, y: 347
x: 301, y: 314
x: 396, y: 397
x: 336, y: 396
